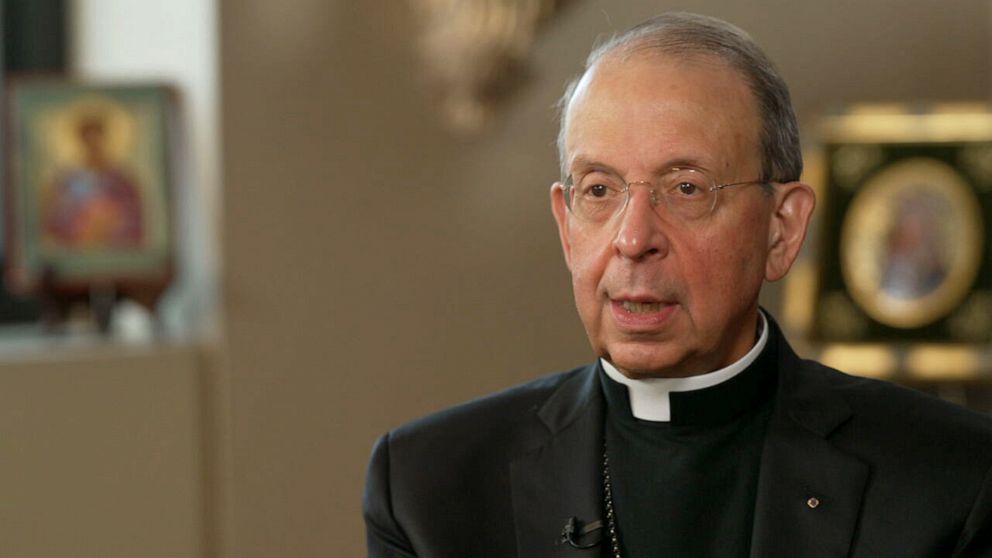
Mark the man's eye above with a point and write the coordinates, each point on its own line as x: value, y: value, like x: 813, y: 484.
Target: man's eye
x: 599, y: 190
x: 687, y: 188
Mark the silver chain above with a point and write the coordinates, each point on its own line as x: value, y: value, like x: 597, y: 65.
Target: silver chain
x: 611, y: 522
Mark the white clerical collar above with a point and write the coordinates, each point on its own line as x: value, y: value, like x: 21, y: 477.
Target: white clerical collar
x: 649, y: 397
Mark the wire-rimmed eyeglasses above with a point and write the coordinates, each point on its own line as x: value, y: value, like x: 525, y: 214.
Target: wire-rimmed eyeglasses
x: 687, y: 193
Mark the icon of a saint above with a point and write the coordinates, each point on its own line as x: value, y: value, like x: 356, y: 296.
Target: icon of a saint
x: 94, y: 204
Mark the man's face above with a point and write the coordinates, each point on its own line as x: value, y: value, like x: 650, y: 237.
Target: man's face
x: 659, y: 296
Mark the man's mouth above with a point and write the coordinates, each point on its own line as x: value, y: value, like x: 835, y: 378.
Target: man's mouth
x: 638, y: 313
x: 642, y: 307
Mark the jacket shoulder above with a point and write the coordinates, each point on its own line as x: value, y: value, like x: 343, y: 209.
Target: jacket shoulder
x: 504, y: 410
x: 902, y: 413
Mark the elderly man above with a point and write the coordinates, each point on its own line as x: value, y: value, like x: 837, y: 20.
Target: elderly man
x: 698, y: 432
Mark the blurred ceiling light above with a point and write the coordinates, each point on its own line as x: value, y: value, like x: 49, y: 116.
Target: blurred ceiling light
x: 477, y: 51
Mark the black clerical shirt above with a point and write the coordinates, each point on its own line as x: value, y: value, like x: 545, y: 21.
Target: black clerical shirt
x: 687, y: 487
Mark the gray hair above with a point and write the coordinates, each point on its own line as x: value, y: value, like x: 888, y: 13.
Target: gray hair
x: 686, y: 34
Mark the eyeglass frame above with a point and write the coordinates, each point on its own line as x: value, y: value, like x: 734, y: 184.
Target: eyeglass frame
x: 568, y: 186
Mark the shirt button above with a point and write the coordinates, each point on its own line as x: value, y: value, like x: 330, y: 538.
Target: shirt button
x: 813, y: 503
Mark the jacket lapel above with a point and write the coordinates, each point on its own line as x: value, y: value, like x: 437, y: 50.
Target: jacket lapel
x: 809, y: 492
x: 561, y: 478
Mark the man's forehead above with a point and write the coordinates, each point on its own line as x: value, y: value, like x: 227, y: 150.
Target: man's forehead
x: 620, y: 64
x: 655, y: 97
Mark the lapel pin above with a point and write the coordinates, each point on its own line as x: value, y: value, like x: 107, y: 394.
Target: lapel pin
x: 813, y: 503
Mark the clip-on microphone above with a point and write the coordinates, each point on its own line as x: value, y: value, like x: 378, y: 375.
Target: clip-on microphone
x: 568, y: 533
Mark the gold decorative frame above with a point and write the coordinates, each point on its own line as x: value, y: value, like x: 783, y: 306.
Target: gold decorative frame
x: 90, y: 198
x: 911, y: 243
x: 875, y: 162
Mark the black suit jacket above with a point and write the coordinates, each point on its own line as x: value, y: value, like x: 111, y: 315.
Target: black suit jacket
x: 896, y: 473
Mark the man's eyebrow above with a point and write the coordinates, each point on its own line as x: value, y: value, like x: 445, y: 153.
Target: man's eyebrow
x: 693, y: 162
x: 582, y: 163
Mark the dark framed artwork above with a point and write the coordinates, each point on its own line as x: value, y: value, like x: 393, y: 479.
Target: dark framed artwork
x: 906, y: 205
x: 33, y: 41
x: 90, y: 199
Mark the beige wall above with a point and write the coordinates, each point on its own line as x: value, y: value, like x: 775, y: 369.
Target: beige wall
x: 102, y: 452
x: 379, y: 269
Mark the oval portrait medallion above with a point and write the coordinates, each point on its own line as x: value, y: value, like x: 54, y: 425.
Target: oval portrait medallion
x: 911, y: 243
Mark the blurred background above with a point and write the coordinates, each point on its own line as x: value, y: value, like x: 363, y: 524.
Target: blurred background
x: 352, y: 252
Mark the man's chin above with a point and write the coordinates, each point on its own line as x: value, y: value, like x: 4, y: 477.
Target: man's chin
x: 639, y: 365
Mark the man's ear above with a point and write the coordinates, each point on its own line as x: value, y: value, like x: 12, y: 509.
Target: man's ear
x: 560, y: 211
x: 793, y: 207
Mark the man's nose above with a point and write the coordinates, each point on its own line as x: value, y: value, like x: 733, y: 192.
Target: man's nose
x: 640, y: 234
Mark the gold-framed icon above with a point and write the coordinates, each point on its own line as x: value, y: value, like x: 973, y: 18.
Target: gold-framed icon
x: 90, y: 199
x: 901, y: 260
x: 911, y: 242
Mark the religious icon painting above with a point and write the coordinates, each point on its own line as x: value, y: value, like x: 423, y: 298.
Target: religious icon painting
x: 904, y: 252
x: 89, y: 197
x: 911, y: 243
